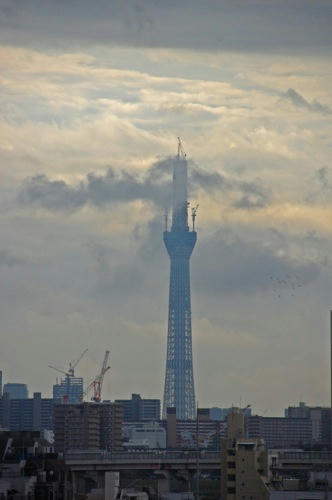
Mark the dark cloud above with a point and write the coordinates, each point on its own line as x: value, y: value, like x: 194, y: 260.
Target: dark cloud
x: 211, y: 181
x: 113, y: 187
x: 8, y: 260
x: 98, y: 190
x: 231, y: 263
x: 320, y: 186
x: 300, y: 102
x: 214, y: 25
x: 253, y: 196
x: 322, y: 175
x: 237, y: 261
x: 122, y: 278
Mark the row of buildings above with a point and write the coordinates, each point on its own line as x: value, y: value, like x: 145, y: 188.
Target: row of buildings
x: 141, y: 425
x: 142, y: 428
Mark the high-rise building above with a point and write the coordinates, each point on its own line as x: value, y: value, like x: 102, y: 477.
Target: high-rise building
x: 16, y: 391
x: 84, y: 426
x: 26, y: 414
x: 179, y: 391
x: 137, y: 408
x: 0, y: 383
x: 70, y: 390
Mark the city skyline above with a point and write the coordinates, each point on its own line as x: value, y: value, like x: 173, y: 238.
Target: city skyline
x: 93, y: 98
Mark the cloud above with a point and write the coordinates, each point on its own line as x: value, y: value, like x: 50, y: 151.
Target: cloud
x: 320, y: 187
x: 114, y: 187
x: 8, y: 260
x: 221, y: 25
x: 234, y: 263
x: 300, y: 102
x: 99, y: 190
x: 322, y: 176
x: 254, y: 196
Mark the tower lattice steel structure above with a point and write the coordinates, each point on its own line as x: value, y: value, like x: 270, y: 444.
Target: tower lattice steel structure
x: 179, y: 391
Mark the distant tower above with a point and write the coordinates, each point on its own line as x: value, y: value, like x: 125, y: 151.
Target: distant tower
x: 179, y: 389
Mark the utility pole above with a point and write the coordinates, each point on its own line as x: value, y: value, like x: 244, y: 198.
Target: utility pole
x: 331, y: 380
x: 197, y: 455
x: 331, y: 360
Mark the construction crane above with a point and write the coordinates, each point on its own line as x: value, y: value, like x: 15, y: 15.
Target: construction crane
x: 72, y: 365
x: 194, y: 214
x: 97, y: 382
x: 181, y: 153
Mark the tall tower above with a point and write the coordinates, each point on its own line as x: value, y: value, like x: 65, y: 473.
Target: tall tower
x: 179, y: 388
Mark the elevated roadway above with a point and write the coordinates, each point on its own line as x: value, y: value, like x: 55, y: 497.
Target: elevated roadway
x: 152, y: 460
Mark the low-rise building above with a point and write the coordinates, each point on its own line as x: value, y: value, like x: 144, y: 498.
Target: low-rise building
x: 138, y: 408
x: 321, y: 421
x: 243, y: 463
x: 186, y: 433
x: 280, y: 432
x: 144, y: 435
x: 300, y: 475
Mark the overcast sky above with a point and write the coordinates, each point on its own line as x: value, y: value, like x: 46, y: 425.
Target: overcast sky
x: 93, y: 96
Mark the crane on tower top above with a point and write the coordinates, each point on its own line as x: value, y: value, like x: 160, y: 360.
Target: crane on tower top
x: 181, y: 154
x: 97, y: 382
x: 194, y: 214
x: 72, y: 365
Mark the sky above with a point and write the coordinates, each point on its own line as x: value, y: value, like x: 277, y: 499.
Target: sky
x: 93, y: 96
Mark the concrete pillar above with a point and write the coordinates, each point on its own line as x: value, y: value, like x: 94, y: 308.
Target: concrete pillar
x: 74, y: 483
x: 171, y: 427
x: 163, y: 482
x: 112, y: 485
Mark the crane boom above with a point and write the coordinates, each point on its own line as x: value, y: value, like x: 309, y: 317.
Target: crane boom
x: 74, y: 364
x: 57, y: 369
x: 97, y: 382
x: 181, y: 153
x: 105, y: 362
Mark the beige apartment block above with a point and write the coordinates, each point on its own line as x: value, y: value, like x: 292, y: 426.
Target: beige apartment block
x: 243, y: 463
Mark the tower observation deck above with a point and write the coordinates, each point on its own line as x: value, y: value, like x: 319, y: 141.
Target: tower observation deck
x: 179, y: 391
